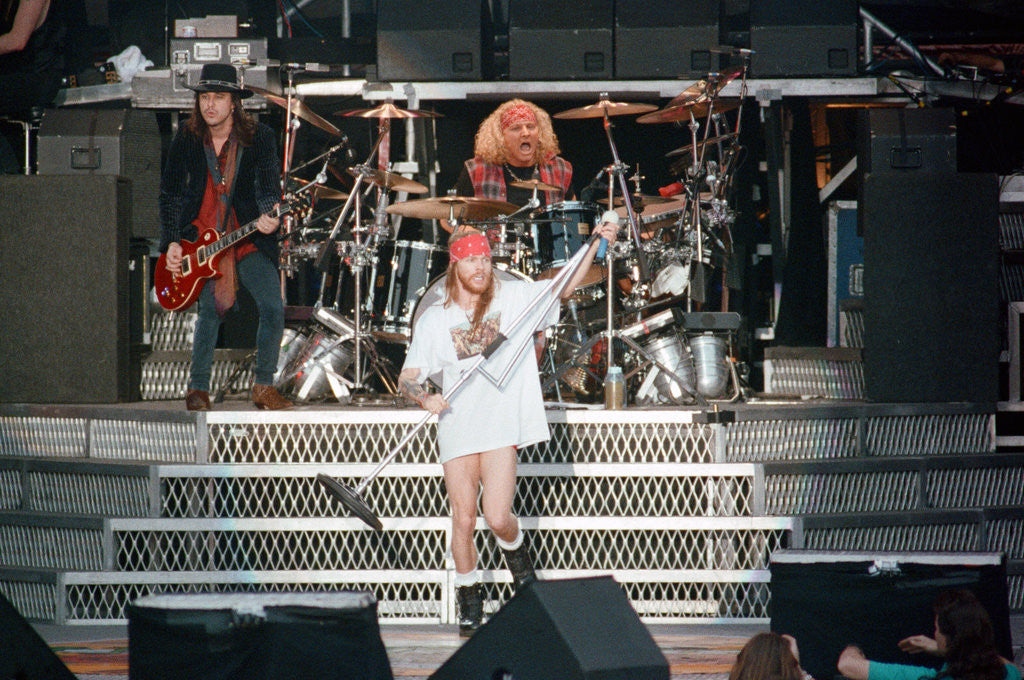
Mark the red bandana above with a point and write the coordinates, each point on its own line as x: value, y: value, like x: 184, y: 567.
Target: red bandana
x: 467, y: 246
x: 517, y: 114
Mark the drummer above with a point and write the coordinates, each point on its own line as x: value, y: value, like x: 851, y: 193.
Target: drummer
x: 516, y: 142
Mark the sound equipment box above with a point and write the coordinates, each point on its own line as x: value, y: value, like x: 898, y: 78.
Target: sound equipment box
x: 256, y: 636
x: 66, y: 269
x: 122, y: 142
x: 931, y: 287
x: 800, y: 38
x: 560, y: 41
x: 901, y: 140
x: 23, y: 654
x: 452, y: 40
x: 828, y: 600
x: 572, y: 629
x: 666, y: 39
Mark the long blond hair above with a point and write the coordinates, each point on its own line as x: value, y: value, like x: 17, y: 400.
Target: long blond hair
x: 484, y: 302
x: 490, y: 143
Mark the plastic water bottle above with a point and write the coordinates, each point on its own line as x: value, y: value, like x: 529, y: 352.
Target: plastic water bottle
x: 614, y: 388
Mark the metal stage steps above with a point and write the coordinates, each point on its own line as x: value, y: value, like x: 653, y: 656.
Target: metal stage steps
x: 102, y: 504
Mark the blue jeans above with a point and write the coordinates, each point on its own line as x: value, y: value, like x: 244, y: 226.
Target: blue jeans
x: 259, y: 276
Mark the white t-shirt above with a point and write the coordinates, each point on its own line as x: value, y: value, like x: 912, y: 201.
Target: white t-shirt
x: 482, y: 417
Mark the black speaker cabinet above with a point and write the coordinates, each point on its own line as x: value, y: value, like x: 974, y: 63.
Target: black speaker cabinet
x: 433, y: 41
x: 799, y: 38
x: 902, y: 140
x: 23, y: 654
x: 666, y: 39
x: 931, y: 296
x: 560, y: 40
x: 65, y: 290
x: 827, y: 600
x: 256, y: 636
x: 572, y: 630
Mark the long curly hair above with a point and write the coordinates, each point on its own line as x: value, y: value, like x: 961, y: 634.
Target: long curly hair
x: 971, y: 652
x: 489, y: 143
x: 242, y: 124
x: 484, y: 302
x: 766, y: 656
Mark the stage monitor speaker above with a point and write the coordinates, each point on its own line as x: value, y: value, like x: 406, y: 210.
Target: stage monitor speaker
x: 23, y: 654
x: 256, y: 636
x: 799, y: 38
x: 572, y: 629
x: 903, y: 140
x: 666, y: 39
x: 560, y: 41
x: 931, y: 287
x: 123, y: 142
x: 433, y: 41
x: 65, y: 286
x: 874, y: 600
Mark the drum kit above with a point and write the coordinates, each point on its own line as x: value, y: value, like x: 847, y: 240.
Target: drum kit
x: 374, y: 286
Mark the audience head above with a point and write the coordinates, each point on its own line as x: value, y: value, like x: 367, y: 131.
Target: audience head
x: 767, y: 656
x: 964, y: 635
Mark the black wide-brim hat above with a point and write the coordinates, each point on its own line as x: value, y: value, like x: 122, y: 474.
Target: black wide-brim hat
x: 219, y: 78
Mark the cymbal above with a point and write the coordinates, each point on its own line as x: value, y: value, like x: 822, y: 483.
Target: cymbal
x: 645, y: 199
x: 320, y: 191
x: 698, y: 109
x: 711, y: 140
x: 597, y: 110
x: 386, y: 110
x: 534, y: 183
x: 705, y: 88
x: 441, y: 208
x: 298, y: 109
x: 390, y: 180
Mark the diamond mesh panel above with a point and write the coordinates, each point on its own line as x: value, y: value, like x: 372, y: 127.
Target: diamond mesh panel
x: 947, y: 537
x: 50, y: 547
x: 34, y: 601
x: 817, y: 378
x: 624, y: 443
x: 88, y: 494
x: 45, y: 437
x: 173, y: 331
x: 853, y: 327
x: 1007, y: 535
x: 10, y: 489
x: 665, y: 601
x: 1015, y: 584
x: 978, y: 487
x: 931, y: 434
x: 1011, y: 281
x: 139, y: 440
x: 764, y: 440
x: 853, y: 492
x: 165, y: 375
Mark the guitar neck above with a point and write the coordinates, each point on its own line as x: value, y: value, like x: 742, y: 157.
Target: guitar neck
x: 237, y: 235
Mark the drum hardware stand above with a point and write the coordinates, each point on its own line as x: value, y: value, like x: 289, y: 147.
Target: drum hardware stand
x: 352, y: 497
x: 229, y: 382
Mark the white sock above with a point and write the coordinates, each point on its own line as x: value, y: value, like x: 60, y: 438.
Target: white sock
x: 516, y: 542
x: 468, y: 579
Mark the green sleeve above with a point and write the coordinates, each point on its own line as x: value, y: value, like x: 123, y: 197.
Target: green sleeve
x: 895, y: 671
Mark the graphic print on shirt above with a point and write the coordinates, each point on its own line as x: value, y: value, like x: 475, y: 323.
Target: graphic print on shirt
x: 469, y: 342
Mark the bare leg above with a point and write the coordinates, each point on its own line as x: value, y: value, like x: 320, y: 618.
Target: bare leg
x: 498, y: 475
x: 462, y: 479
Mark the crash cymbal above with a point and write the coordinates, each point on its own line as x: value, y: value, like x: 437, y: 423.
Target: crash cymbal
x: 298, y: 109
x: 390, y: 180
x: 698, y: 109
x: 597, y: 110
x: 322, y: 192
x: 386, y: 110
x: 644, y: 199
x: 705, y: 88
x: 442, y: 207
x: 532, y: 184
x: 711, y: 140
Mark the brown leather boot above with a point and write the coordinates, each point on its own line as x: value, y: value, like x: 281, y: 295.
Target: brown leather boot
x: 265, y: 396
x: 197, y: 400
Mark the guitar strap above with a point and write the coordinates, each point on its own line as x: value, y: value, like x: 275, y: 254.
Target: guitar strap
x: 226, y: 286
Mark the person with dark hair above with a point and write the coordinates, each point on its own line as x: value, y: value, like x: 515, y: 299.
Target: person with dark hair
x: 963, y: 637
x: 769, y: 656
x: 222, y: 170
x: 480, y: 432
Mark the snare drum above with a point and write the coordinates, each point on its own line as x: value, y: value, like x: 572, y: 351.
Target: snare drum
x: 414, y: 265
x: 562, y: 230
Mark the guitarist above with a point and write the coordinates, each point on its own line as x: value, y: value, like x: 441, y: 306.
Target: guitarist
x: 222, y: 170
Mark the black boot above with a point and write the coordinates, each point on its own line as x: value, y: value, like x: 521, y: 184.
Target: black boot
x: 471, y: 608
x: 520, y: 564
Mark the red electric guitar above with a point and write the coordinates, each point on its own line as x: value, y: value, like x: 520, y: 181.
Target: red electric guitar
x: 200, y: 257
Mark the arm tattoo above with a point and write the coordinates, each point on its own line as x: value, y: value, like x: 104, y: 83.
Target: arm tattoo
x: 408, y: 386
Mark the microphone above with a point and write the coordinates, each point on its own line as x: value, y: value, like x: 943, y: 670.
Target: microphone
x: 588, y: 191
x: 609, y: 217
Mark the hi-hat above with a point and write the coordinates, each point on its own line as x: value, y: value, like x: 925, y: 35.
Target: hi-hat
x: 598, y: 110
x: 446, y: 207
x: 697, y: 109
x: 705, y: 88
x: 532, y: 184
x: 387, y: 110
x: 711, y: 140
x: 298, y: 109
x: 389, y: 180
x: 322, y: 192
